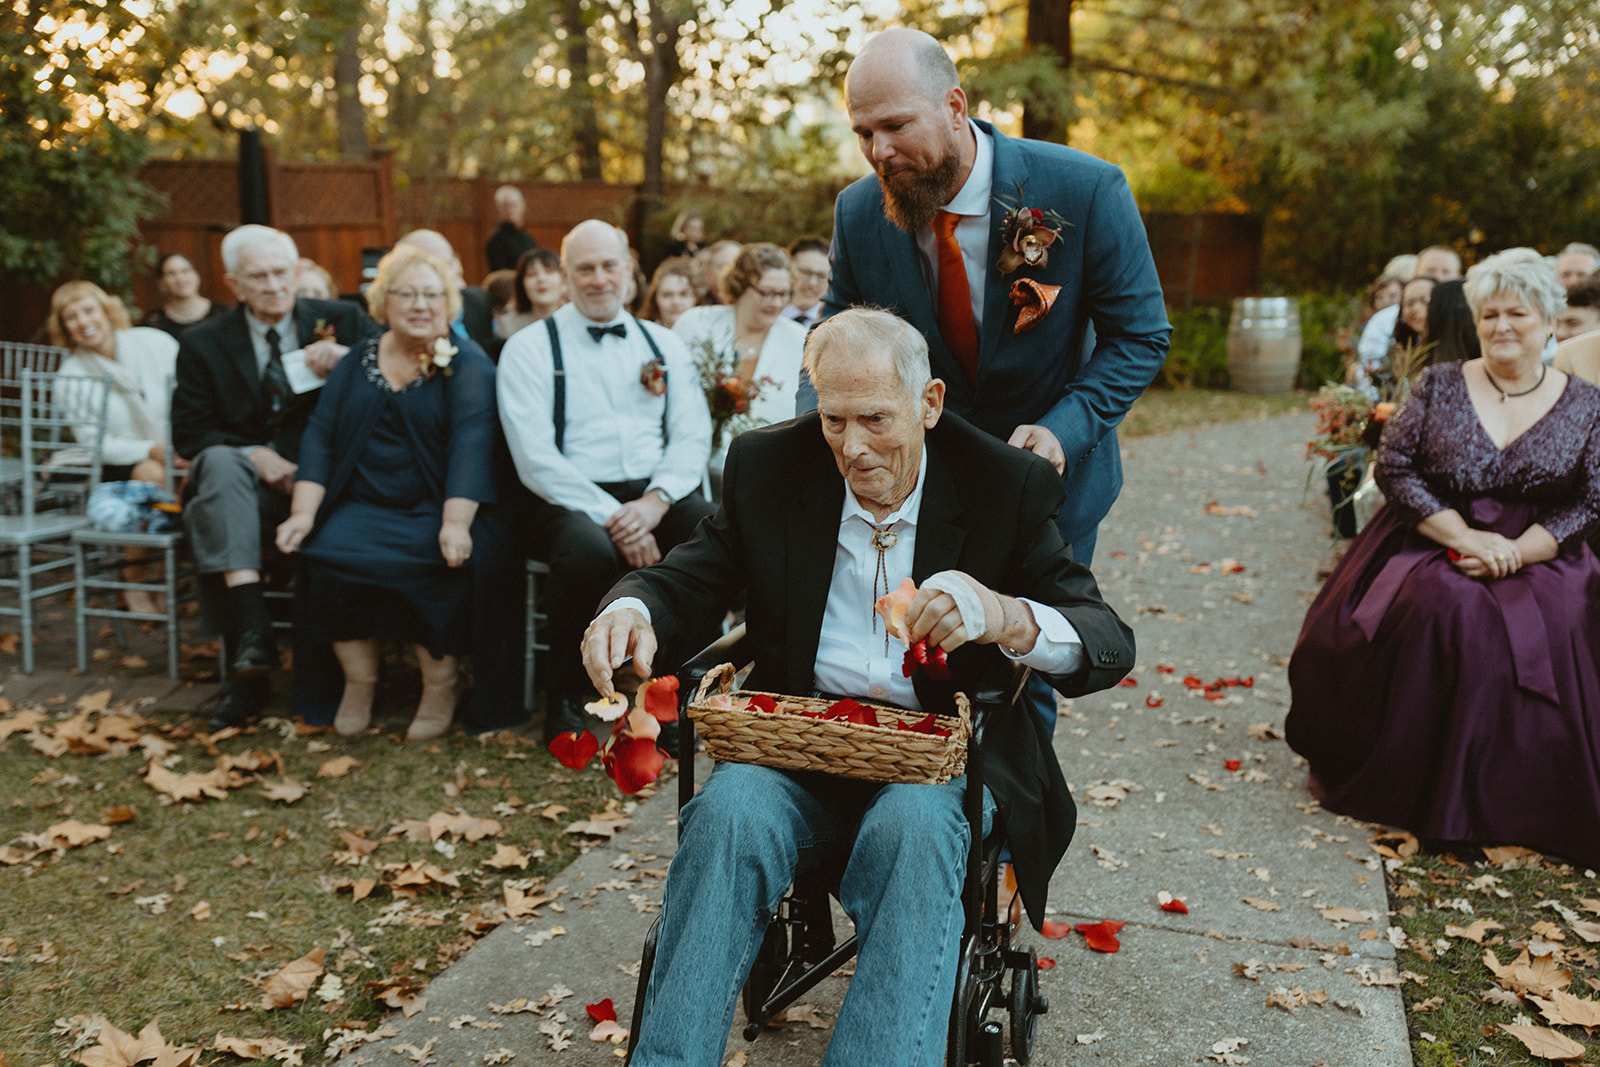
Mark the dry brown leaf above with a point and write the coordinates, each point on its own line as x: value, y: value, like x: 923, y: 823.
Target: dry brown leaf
x: 288, y: 790
x: 1531, y: 976
x: 186, y: 786
x: 120, y: 814
x: 506, y: 856
x: 1261, y: 905
x: 26, y: 721
x: 69, y: 834
x: 805, y: 1013
x: 1263, y: 731
x: 1474, y: 931
x: 252, y: 1048
x: 290, y: 984
x: 363, y: 888
x: 1344, y: 915
x: 596, y: 828
x: 99, y: 700
x: 338, y: 767
x: 553, y: 811
x: 201, y: 912
x: 1544, y: 1042
x: 1565, y: 1009
x: 358, y: 844
x: 118, y: 1049
x: 1396, y: 844
x: 1589, y: 931
x: 461, y: 826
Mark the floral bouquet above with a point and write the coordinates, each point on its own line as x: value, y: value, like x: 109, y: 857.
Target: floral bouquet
x: 727, y: 395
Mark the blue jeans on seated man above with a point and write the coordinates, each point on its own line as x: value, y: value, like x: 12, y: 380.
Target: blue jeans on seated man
x: 741, y: 842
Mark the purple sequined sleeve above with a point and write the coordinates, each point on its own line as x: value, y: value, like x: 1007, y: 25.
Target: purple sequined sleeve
x: 1569, y: 522
x: 1401, y: 458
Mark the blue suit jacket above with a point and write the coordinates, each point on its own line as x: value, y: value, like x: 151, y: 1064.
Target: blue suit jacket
x: 1044, y: 376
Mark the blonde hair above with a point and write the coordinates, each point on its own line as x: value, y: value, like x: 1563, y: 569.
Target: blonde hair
x: 71, y: 293
x: 399, y: 260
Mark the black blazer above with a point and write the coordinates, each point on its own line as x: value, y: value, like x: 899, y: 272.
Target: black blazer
x: 988, y: 509
x: 477, y: 318
x: 218, y: 401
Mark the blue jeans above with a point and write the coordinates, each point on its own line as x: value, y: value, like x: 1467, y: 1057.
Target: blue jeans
x: 741, y: 842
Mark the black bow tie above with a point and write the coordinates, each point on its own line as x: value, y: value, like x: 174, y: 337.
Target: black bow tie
x: 616, y: 329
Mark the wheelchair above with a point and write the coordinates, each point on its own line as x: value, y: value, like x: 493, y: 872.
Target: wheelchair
x: 800, y: 949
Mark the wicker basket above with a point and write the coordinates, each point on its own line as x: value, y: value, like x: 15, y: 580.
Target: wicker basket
x: 789, y: 741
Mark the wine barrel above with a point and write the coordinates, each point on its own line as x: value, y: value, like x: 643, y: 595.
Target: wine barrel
x: 1264, y: 344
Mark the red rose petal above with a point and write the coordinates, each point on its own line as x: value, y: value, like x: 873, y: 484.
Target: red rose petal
x: 1176, y: 905
x: 908, y: 665
x: 1152, y: 701
x: 1166, y: 668
x: 1055, y: 931
x: 1046, y: 963
x: 1248, y: 682
x: 938, y: 664
x: 763, y: 703
x: 661, y: 698
x: 1233, y: 764
x: 1101, y: 936
x: 574, y: 750
x: 605, y: 1011
x: 1119, y: 555
x: 929, y: 725
x: 1191, y: 682
x: 633, y: 763
x: 1128, y: 683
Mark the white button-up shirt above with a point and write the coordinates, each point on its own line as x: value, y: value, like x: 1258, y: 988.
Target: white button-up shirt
x: 613, y: 423
x: 971, y: 202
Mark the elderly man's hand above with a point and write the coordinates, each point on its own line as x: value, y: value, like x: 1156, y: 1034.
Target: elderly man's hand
x: 1041, y: 442
x: 273, y: 468
x: 323, y: 356
x: 612, y: 638
x: 953, y: 608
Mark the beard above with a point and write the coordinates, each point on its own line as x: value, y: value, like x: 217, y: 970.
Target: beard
x: 911, y: 198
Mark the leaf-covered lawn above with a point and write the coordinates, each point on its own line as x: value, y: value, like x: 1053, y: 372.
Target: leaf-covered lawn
x: 1503, y: 941
x: 329, y: 877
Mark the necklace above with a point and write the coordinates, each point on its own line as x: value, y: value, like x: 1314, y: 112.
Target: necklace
x: 883, y: 539
x: 1504, y: 396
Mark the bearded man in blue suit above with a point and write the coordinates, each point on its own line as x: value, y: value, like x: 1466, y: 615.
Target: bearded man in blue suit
x: 1053, y: 374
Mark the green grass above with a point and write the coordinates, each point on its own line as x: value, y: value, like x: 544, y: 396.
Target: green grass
x: 1166, y: 410
x: 246, y: 855
x: 1463, y: 1029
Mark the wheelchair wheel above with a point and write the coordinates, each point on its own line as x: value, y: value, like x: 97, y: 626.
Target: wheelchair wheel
x: 765, y: 973
x: 1023, y: 1005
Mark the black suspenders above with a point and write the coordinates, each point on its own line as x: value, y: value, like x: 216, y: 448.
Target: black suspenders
x: 559, y: 384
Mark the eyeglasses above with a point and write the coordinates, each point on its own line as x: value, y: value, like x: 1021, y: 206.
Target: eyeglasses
x: 814, y: 275
x: 411, y: 296
x: 772, y: 294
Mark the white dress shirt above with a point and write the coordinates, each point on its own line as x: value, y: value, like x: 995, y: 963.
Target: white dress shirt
x: 288, y: 337
x: 853, y: 655
x: 613, y: 424
x: 972, y: 203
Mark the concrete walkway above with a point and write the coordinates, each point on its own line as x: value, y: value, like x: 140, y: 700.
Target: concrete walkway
x: 1257, y: 864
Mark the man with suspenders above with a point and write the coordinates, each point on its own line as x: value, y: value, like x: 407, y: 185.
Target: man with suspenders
x: 608, y: 426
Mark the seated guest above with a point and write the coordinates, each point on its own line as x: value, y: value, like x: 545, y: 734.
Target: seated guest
x: 394, y: 512
x: 540, y: 288
x: 1383, y: 293
x: 671, y: 292
x: 181, y: 303
x: 1406, y: 339
x: 748, y: 337
x: 1450, y: 332
x: 1444, y: 679
x: 1582, y: 313
x: 715, y: 262
x: 313, y: 280
x: 688, y: 235
x: 809, y: 255
x: 139, y: 361
x: 509, y: 242
x: 1577, y: 263
x: 501, y: 285
x: 959, y: 506
x: 615, y: 457
x: 1439, y: 262
x: 475, y: 321
x: 246, y: 385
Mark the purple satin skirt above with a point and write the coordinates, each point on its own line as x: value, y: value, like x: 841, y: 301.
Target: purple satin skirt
x: 1458, y: 708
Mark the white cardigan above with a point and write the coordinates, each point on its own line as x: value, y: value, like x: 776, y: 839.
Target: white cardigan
x: 779, y: 360
x: 138, y: 409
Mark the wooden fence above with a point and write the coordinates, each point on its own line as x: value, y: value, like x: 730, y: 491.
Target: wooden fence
x: 336, y: 210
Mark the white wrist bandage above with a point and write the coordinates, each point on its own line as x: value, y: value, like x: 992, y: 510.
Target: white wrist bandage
x: 981, y: 613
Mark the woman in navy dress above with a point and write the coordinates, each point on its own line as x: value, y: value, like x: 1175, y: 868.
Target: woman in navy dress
x: 394, y: 514
x: 1447, y: 677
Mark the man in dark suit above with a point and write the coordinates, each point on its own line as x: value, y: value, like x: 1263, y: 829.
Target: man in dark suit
x: 247, y: 382
x: 1054, y: 386
x: 971, y: 520
x: 509, y: 240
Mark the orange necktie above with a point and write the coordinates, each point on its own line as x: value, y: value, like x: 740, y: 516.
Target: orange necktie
x: 955, y: 299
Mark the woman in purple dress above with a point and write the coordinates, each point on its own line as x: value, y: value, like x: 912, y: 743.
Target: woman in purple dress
x: 1447, y: 677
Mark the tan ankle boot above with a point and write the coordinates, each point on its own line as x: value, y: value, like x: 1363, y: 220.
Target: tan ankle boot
x: 438, y: 704
x: 360, y: 662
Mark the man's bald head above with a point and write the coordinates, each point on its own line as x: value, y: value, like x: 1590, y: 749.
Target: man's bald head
x: 906, y: 58
x: 438, y: 246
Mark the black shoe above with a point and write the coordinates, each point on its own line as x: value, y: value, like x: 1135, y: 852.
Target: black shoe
x: 255, y: 655
x: 241, y: 702
x: 563, y: 714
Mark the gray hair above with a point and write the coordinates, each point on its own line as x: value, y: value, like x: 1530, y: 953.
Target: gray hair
x: 1580, y: 248
x: 859, y: 330
x: 253, y: 236
x: 1520, y: 271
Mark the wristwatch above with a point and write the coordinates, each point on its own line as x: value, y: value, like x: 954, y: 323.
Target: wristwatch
x: 666, y: 497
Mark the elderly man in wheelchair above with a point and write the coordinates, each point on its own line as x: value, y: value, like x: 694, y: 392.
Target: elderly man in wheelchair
x: 820, y: 516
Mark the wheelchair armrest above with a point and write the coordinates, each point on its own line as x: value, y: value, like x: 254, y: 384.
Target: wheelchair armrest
x: 999, y: 689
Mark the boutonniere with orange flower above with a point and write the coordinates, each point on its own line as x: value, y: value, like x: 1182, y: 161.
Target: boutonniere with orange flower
x: 325, y: 331
x: 653, y: 376
x: 438, y: 358
x: 1026, y: 234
